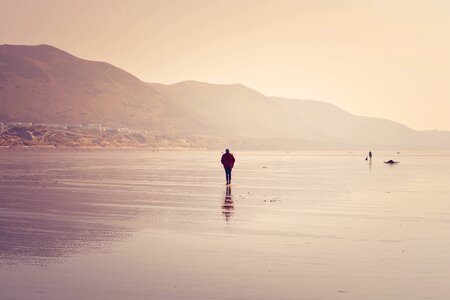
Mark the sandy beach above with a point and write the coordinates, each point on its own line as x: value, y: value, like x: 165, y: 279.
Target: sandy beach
x: 162, y: 225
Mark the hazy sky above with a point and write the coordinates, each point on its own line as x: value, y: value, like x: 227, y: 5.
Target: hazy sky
x: 388, y: 59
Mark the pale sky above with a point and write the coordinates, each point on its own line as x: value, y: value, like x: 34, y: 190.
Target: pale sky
x: 388, y: 59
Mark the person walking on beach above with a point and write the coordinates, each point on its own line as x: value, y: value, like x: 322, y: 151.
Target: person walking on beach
x: 228, y: 164
x: 370, y: 155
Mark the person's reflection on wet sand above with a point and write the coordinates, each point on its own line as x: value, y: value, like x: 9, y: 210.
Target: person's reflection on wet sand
x: 227, y: 207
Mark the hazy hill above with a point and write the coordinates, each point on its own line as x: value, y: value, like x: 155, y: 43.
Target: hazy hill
x: 241, y: 111
x: 46, y: 85
x: 235, y: 110
x: 349, y: 128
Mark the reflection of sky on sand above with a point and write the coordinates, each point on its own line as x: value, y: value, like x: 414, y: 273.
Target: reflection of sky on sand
x: 140, y: 225
x: 42, y: 219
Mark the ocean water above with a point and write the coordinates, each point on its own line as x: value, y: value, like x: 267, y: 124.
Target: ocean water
x: 163, y: 225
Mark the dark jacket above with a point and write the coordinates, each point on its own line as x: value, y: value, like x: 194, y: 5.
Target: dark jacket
x: 227, y: 160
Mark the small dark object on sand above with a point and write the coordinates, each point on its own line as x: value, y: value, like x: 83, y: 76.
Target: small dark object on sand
x: 391, y: 162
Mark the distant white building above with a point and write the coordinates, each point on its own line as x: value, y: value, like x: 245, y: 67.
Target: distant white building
x: 74, y: 126
x: 62, y: 126
x: 93, y: 126
x: 124, y: 130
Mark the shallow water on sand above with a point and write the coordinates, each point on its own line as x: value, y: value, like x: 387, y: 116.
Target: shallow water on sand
x: 162, y: 225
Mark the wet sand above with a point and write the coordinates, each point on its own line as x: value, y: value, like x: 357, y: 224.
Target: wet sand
x: 162, y: 225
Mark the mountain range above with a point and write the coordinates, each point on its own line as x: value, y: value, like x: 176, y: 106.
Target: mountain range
x: 43, y: 84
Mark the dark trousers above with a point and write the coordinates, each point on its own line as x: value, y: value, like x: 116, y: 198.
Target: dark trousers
x: 228, y: 174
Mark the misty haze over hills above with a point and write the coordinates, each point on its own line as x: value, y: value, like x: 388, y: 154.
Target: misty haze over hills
x: 46, y: 85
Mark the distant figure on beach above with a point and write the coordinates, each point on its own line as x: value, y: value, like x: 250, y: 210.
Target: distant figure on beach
x: 228, y: 164
x: 391, y: 162
x: 370, y: 155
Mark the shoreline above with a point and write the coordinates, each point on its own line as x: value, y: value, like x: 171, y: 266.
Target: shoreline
x: 356, y: 153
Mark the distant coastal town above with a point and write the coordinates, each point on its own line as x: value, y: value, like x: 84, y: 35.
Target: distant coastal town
x: 31, y: 134
x: 91, y: 135
x: 92, y: 126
